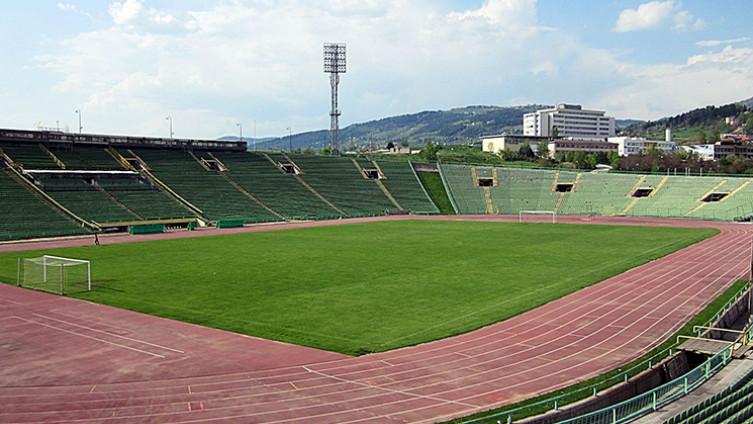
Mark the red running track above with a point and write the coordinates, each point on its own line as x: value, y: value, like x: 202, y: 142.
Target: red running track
x: 65, y: 360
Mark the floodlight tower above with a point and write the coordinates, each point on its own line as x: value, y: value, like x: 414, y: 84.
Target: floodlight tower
x: 334, y: 65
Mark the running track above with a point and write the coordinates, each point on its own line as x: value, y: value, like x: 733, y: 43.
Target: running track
x: 64, y: 360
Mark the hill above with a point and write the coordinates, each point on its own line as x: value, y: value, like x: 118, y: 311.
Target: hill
x: 698, y: 125
x: 459, y: 125
x: 453, y: 126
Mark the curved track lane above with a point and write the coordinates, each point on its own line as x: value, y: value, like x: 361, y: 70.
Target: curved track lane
x: 66, y: 360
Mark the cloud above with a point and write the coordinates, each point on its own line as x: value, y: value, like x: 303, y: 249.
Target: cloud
x: 241, y: 61
x: 67, y: 7
x: 654, y: 91
x: 684, y: 21
x: 125, y: 12
x: 716, y: 43
x: 656, y: 14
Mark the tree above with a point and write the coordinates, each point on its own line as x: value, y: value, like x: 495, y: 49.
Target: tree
x: 404, y: 143
x: 544, y: 150
x: 748, y: 127
x: 390, y: 146
x: 555, y: 132
x: 614, y: 159
x: 429, y: 151
x: 525, y: 151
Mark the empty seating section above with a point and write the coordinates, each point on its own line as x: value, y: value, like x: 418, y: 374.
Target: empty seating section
x: 732, y: 405
x: 26, y: 215
x: 207, y: 190
x: 523, y: 189
x: 462, y: 189
x: 86, y: 158
x: 599, y: 194
x: 30, y: 155
x: 338, y: 180
x: 280, y: 191
x: 142, y: 198
x: 676, y: 197
x: 82, y: 198
x: 405, y: 187
x: 738, y: 203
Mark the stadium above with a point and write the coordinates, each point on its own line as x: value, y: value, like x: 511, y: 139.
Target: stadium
x: 176, y: 280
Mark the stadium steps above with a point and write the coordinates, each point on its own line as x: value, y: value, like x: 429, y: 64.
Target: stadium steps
x: 378, y: 182
x: 252, y: 198
x: 116, y: 201
x: 207, y: 190
x: 55, y: 159
x: 337, y: 180
x: 27, y: 213
x: 87, y: 158
x: 34, y: 189
x: 162, y: 186
x: 466, y: 197
x: 401, y: 180
x: 308, y: 187
x: 260, y: 176
x: 29, y: 155
x: 145, y: 199
x: 490, y: 210
x: 87, y: 201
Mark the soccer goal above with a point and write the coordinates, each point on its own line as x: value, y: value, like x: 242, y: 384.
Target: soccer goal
x: 55, y: 274
x: 523, y: 214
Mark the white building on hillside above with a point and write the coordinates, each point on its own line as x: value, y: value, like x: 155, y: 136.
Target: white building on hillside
x: 570, y: 121
x: 628, y: 146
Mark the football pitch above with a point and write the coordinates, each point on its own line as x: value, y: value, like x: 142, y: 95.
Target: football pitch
x: 365, y: 287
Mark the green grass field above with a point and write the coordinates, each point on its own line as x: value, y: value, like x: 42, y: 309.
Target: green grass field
x: 364, y: 287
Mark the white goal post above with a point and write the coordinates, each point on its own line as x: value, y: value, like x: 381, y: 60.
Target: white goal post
x: 54, y: 274
x: 523, y: 213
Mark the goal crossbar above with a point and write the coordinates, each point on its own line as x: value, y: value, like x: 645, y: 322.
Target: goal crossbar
x: 522, y: 213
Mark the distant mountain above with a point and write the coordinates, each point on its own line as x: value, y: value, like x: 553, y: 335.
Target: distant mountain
x: 623, y: 123
x: 748, y: 103
x: 460, y: 125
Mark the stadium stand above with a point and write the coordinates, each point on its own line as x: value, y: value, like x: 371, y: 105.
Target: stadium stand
x: 402, y: 182
x: 522, y: 189
x: 339, y: 181
x: 260, y: 176
x: 26, y: 215
x: 676, y: 197
x: 206, y: 189
x: 599, y: 194
x: 462, y: 189
x: 85, y: 158
x: 570, y: 192
x: 732, y: 405
x: 143, y: 199
x: 29, y: 156
x: 84, y: 199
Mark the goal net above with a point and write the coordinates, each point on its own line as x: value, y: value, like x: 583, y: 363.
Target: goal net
x: 537, y: 216
x: 55, y: 274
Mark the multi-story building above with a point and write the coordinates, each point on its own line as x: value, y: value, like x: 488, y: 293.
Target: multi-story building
x: 627, y: 146
x: 570, y: 144
x: 569, y: 121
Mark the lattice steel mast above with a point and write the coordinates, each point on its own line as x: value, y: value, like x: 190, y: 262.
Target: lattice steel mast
x: 334, y: 65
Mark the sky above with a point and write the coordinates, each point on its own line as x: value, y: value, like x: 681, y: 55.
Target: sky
x: 128, y: 64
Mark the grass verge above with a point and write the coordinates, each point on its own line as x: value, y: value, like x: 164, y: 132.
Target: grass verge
x: 433, y: 184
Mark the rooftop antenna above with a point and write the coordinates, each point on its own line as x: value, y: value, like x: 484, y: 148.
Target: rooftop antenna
x: 334, y: 65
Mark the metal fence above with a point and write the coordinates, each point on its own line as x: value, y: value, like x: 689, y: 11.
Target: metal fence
x: 663, y: 394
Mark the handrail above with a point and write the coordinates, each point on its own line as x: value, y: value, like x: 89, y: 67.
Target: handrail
x: 554, y: 403
x: 658, y: 396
